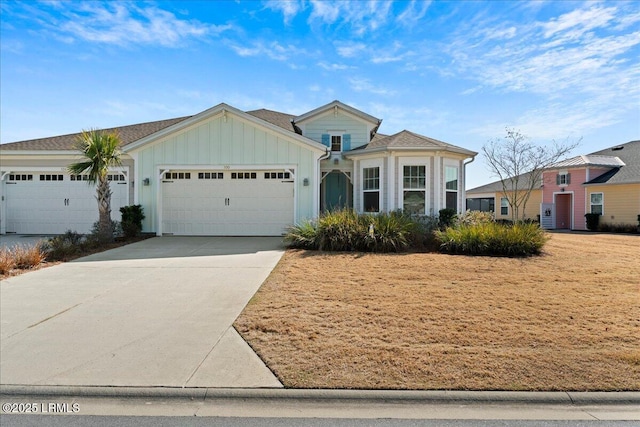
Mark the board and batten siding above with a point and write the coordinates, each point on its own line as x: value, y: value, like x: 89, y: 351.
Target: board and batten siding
x: 621, y: 202
x: 344, y: 123
x: 219, y: 143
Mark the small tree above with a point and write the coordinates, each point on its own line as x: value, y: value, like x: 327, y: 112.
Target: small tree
x: 100, y: 151
x: 519, y: 165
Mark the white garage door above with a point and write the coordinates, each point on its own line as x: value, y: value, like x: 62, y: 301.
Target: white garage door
x: 229, y: 203
x: 52, y: 203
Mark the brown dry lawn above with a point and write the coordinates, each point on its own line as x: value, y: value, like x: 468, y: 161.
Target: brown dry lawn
x: 566, y: 320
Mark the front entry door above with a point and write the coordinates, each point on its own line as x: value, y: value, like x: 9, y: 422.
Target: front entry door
x: 336, y: 191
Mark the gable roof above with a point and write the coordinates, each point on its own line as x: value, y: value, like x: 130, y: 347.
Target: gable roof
x: 629, y: 154
x: 339, y: 105
x: 223, y: 109
x: 128, y: 134
x: 407, y: 140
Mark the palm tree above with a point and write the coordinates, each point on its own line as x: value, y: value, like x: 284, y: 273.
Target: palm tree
x: 100, y: 151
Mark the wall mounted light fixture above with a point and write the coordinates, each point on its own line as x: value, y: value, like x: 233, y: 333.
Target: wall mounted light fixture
x: 146, y: 181
x: 305, y: 182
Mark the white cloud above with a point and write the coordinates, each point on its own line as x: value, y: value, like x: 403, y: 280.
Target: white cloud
x: 412, y: 14
x: 334, y: 66
x: 365, y: 85
x: 361, y: 16
x: 289, y: 8
x: 350, y: 49
x: 272, y: 50
x: 123, y: 23
x: 582, y: 65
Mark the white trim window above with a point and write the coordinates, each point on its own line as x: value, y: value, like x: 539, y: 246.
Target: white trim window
x: 596, y: 203
x: 563, y: 178
x: 336, y: 143
x: 504, y: 206
x: 414, y: 189
x: 371, y: 189
x: 451, y: 187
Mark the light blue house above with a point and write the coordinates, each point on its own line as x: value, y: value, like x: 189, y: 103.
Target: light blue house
x: 229, y: 172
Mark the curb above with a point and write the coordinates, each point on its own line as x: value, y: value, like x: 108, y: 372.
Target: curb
x: 388, y: 396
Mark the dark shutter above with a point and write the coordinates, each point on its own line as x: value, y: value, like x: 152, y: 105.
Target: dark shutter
x: 326, y: 139
x: 558, y: 179
x: 568, y: 178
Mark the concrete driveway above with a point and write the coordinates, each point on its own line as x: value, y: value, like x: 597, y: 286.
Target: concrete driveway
x: 154, y: 313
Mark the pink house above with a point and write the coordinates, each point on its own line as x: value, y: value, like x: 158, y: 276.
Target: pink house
x: 564, y: 194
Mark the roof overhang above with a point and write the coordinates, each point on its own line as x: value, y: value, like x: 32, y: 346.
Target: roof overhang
x: 367, y: 151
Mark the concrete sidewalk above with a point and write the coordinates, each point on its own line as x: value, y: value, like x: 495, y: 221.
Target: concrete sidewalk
x: 154, y: 313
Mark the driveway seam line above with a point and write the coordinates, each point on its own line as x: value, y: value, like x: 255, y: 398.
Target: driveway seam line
x: 205, y: 358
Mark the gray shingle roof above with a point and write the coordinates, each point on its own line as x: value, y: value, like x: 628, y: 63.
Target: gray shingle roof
x: 128, y: 134
x: 629, y: 153
x: 277, y: 118
x: 407, y: 139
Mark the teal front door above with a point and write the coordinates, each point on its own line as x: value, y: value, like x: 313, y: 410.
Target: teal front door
x: 336, y: 191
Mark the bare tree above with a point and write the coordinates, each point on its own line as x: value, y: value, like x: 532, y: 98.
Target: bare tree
x: 519, y: 165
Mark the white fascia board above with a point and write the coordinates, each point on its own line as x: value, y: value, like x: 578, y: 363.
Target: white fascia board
x: 220, y: 110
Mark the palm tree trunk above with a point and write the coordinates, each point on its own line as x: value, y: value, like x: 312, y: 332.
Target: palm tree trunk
x: 104, y: 209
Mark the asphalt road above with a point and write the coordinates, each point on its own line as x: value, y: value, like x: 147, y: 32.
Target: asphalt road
x: 126, y: 421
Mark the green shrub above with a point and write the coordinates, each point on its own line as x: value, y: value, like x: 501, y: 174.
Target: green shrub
x: 520, y: 239
x: 392, y: 232
x: 342, y: 230
x: 302, y: 236
x: 346, y: 230
x: 592, y: 221
x: 60, y: 248
x: 618, y: 228
x: 132, y: 217
x: 447, y: 217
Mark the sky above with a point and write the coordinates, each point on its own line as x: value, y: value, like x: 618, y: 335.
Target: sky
x: 461, y: 72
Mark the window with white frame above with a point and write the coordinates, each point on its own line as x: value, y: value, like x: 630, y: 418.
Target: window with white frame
x: 597, y: 203
x: 414, y: 181
x: 371, y: 189
x: 336, y: 142
x: 451, y: 187
x: 563, y: 178
x: 504, y: 206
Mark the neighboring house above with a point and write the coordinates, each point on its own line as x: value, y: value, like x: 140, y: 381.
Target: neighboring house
x: 491, y: 198
x: 606, y: 182
x: 229, y: 172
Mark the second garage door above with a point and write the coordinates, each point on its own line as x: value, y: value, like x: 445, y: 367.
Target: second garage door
x: 227, y: 203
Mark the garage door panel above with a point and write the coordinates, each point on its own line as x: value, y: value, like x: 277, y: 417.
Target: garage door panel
x: 246, y: 205
x: 53, y: 207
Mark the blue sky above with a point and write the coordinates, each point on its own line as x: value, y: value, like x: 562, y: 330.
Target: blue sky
x: 456, y: 71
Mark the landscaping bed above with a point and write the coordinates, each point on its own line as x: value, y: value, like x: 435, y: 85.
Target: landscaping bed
x: 566, y: 320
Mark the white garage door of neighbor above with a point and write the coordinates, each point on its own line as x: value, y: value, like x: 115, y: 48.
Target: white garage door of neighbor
x: 52, y: 203
x: 227, y: 203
